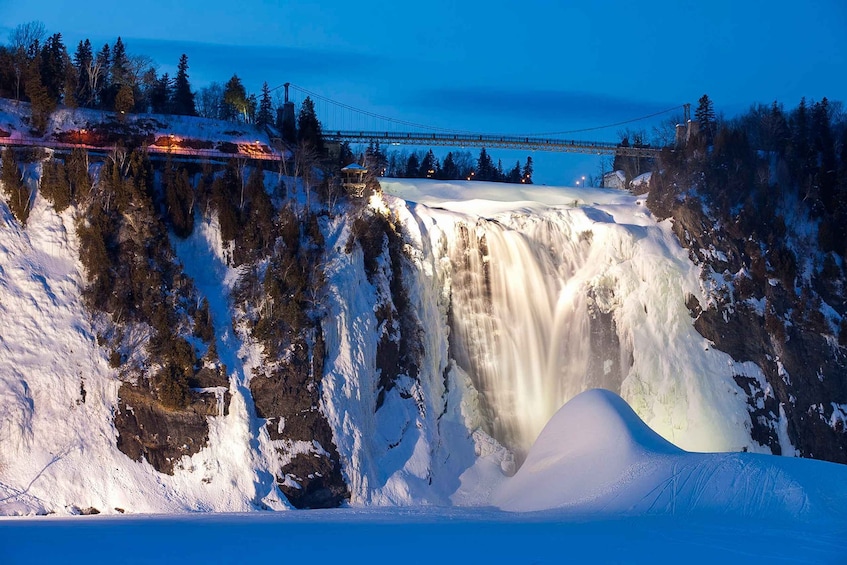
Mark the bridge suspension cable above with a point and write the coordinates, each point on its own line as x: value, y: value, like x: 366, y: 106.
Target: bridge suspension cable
x: 617, y: 124
x: 395, y: 121
x: 375, y: 118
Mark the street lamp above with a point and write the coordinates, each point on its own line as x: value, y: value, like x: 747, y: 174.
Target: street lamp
x: 583, y: 181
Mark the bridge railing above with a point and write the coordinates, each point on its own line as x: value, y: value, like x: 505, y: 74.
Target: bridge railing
x: 499, y: 141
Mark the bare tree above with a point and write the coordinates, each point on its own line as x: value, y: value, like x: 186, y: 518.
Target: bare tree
x: 24, y: 41
x: 604, y: 165
x: 241, y: 164
x: 138, y: 71
x: 27, y: 36
x: 95, y: 72
x: 209, y: 101
x: 664, y: 134
x: 119, y: 158
x: 305, y: 160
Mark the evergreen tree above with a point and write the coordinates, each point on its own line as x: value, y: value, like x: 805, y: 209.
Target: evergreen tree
x: 842, y: 173
x: 252, y: 107
x: 148, y: 86
x: 706, y: 121
x: 71, y: 83
x: 100, y: 76
x: 52, y: 67
x: 161, y: 95
x: 119, y: 70
x: 235, y: 100
x: 345, y: 156
x: 527, y: 171
x: 79, y: 178
x: 7, y: 73
x: 117, y: 73
x: 17, y: 194
x: 429, y: 165
x: 413, y: 167
x: 485, y: 167
x: 83, y: 60
x: 309, y: 128
x: 54, y: 184
x: 776, y: 130
x: 42, y: 103
x: 823, y: 145
x: 515, y: 174
x: 183, y: 98
x: 265, y: 115
x: 801, y: 153
x: 375, y: 159
x: 124, y: 101
x: 449, y: 170
x: 179, y: 198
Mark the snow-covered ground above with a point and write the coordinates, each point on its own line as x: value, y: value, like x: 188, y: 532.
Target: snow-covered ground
x: 166, y: 132
x: 598, y: 486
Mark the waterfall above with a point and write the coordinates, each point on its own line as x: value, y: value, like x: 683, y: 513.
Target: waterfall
x: 523, y: 318
x: 545, y: 301
x: 511, y: 310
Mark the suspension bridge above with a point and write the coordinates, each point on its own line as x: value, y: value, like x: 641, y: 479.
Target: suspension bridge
x: 345, y: 123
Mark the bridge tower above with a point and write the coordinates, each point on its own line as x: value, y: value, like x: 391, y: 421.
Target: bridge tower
x: 683, y: 130
x: 289, y: 129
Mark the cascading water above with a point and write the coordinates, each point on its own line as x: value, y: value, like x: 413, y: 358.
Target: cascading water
x: 520, y: 321
x: 544, y: 301
x: 522, y: 314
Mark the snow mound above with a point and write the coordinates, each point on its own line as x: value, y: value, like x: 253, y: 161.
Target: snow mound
x: 597, y: 455
x: 642, y: 180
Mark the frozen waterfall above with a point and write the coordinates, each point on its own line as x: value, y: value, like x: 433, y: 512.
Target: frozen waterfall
x: 546, y: 300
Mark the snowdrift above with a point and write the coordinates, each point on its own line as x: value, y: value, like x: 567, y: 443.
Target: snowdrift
x: 596, y: 455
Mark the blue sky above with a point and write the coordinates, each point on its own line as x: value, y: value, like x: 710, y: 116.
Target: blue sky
x: 500, y: 66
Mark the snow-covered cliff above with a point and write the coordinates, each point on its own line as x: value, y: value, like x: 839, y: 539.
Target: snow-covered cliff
x: 452, y: 333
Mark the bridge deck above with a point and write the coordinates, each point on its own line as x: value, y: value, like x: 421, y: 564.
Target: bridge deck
x: 492, y: 141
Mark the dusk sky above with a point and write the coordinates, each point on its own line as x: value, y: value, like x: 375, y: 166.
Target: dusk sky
x: 500, y: 66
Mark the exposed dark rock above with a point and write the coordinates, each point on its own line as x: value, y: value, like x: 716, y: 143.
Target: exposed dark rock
x: 693, y: 306
x: 148, y: 430
x: 607, y: 362
x: 288, y: 398
x: 313, y: 490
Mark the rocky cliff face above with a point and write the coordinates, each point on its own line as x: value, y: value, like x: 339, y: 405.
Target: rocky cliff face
x: 775, y: 303
x: 253, y: 348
